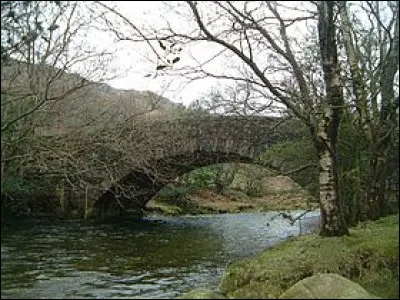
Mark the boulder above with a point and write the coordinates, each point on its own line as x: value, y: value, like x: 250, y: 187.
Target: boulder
x: 326, y: 286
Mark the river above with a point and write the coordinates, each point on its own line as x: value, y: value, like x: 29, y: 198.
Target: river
x: 155, y: 257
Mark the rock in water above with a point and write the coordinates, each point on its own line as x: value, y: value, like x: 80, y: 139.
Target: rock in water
x: 326, y: 286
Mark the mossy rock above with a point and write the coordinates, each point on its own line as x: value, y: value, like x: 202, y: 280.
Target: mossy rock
x: 202, y: 293
x: 327, y: 286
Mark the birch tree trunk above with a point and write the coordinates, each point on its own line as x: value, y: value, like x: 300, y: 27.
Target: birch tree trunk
x: 326, y: 136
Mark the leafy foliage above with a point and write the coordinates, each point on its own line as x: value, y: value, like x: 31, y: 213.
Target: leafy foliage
x: 216, y: 177
x: 294, y: 155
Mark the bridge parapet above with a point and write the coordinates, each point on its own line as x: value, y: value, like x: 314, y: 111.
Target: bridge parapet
x: 246, y: 136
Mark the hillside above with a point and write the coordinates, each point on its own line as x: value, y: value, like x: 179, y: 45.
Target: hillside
x: 67, y: 100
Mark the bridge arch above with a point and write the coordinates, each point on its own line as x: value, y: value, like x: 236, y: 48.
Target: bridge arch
x: 149, y: 155
x: 132, y: 192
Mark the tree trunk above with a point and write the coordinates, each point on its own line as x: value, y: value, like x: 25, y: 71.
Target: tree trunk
x: 387, y: 119
x: 378, y: 193
x: 332, y: 220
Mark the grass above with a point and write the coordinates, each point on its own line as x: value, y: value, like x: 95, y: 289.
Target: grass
x: 369, y: 256
x: 232, y: 201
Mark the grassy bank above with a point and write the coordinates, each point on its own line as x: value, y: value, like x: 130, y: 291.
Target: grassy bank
x: 246, y: 188
x: 207, y: 201
x: 369, y: 256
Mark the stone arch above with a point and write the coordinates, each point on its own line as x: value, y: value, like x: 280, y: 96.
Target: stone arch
x: 132, y: 192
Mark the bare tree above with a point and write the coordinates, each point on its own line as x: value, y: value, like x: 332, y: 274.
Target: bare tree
x: 263, y: 36
x: 43, y: 49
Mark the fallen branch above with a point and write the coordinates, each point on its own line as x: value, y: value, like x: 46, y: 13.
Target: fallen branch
x: 289, y: 217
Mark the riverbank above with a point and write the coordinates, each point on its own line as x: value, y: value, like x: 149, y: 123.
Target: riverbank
x: 273, y: 194
x: 251, y: 188
x: 369, y: 257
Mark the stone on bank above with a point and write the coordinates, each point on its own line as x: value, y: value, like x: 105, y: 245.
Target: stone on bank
x: 326, y: 286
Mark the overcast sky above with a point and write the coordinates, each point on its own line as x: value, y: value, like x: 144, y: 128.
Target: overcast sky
x: 131, y: 57
x: 138, y: 61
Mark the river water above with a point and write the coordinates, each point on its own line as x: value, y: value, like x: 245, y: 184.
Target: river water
x: 156, y: 257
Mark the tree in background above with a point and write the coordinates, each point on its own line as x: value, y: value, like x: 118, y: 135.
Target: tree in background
x: 371, y: 81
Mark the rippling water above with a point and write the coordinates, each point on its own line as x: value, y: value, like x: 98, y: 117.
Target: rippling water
x: 157, y: 257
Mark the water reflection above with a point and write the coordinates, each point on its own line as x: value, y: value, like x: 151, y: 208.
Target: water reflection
x: 153, y: 258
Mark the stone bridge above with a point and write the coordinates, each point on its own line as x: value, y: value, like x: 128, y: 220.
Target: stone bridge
x: 152, y: 154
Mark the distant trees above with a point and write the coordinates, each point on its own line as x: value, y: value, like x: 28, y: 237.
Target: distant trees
x: 44, y: 103
x: 371, y: 81
x: 41, y: 42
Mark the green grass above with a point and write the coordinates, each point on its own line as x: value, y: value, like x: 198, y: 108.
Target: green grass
x: 369, y: 256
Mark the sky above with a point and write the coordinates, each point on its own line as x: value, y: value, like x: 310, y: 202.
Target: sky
x: 131, y: 57
x: 135, y: 63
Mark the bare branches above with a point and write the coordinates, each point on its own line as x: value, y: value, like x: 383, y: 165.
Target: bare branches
x: 133, y: 26
x: 38, y: 90
x: 247, y: 59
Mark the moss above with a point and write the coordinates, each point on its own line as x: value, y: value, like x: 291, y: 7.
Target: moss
x: 369, y: 256
x: 326, y: 286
